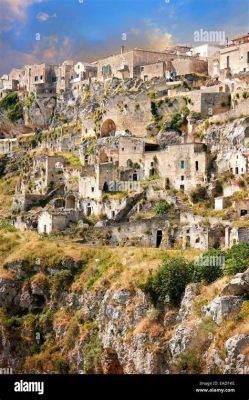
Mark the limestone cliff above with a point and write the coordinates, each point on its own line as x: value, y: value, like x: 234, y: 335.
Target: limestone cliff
x: 65, y: 308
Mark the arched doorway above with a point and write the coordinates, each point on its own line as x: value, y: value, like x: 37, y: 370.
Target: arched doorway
x: 108, y: 128
x: 59, y: 203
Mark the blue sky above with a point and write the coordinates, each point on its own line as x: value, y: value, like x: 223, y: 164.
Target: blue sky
x: 88, y: 29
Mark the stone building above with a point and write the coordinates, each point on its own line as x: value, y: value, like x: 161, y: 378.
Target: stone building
x: 206, y: 101
x: 128, y: 64
x: 238, y: 163
x: 183, y: 166
x: 63, y: 75
x: 7, y: 85
x: 241, y: 207
x: 205, y: 50
x: 36, y: 78
x: 231, y: 59
x: 95, y: 178
x: 52, y: 221
x: 146, y: 233
x: 235, y: 236
x: 47, y: 173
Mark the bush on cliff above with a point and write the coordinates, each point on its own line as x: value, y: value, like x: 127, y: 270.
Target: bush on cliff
x: 169, y: 283
x: 237, y: 259
x: 208, y: 267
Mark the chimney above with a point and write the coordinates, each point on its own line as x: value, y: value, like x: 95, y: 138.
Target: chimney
x: 122, y: 49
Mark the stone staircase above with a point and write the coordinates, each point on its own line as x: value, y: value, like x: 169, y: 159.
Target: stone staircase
x: 182, y: 205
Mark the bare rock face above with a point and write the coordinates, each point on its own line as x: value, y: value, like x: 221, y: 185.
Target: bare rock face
x: 215, y: 361
x: 221, y: 308
x: 187, y: 304
x: 181, y: 340
x: 236, y: 361
x: 8, y: 292
x: 119, y: 314
x: 238, y: 286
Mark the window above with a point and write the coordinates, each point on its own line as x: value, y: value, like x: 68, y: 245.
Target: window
x: 135, y: 148
x: 41, y: 77
x: 152, y: 164
x: 182, y: 164
x: 122, y: 148
x: 36, y: 78
x: 196, y: 166
x: 92, y: 189
x: 248, y: 57
x: 182, y: 178
x: 236, y: 170
x: 181, y: 187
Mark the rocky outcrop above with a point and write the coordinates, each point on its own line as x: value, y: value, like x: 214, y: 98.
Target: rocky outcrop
x: 187, y: 304
x: 238, y: 286
x: 118, y: 327
x: 181, y: 340
x: 222, y: 308
x: 8, y: 292
x: 236, y: 362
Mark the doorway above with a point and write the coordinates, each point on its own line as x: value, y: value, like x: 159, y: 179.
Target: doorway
x: 159, y: 237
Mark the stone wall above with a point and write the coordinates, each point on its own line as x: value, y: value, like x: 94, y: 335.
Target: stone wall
x: 138, y: 232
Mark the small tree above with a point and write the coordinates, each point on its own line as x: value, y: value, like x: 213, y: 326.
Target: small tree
x: 162, y: 207
x: 208, y: 267
x: 169, y: 282
x: 237, y: 259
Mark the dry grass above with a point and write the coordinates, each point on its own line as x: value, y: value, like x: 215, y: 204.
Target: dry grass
x: 7, y: 190
x: 104, y: 266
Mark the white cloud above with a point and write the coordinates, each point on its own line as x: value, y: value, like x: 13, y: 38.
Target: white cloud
x: 153, y: 38
x: 12, y: 10
x: 43, y: 17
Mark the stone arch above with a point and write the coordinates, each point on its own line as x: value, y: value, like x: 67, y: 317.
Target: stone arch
x: 59, y: 203
x: 108, y: 128
x: 70, y: 202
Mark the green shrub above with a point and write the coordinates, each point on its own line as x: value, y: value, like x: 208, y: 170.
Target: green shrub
x: 208, y: 267
x: 237, y: 259
x: 14, y: 113
x: 10, y: 100
x: 7, y: 227
x: 72, y: 333
x: 60, y: 281
x: 61, y: 366
x: 169, y: 283
x: 162, y: 207
x: 92, y: 355
x: 189, y: 361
